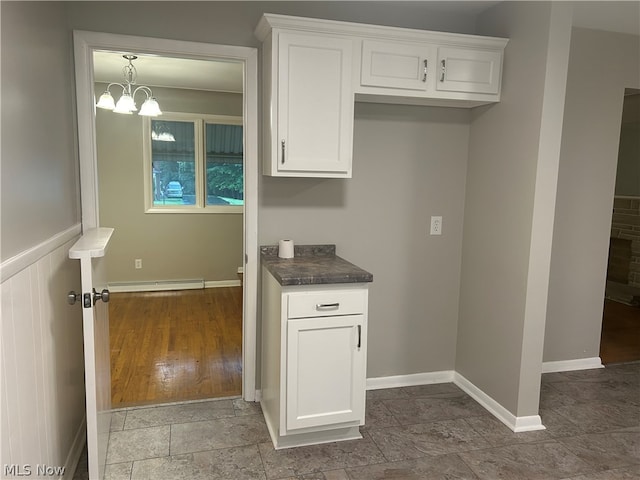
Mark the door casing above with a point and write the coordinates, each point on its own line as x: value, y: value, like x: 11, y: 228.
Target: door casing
x: 85, y: 43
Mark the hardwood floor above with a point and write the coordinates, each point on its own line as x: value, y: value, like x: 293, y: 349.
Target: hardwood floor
x: 175, y: 346
x: 620, y: 341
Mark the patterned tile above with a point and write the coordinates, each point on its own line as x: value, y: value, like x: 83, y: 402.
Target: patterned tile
x: 317, y: 458
x: 241, y: 463
x: 429, y: 409
x: 629, y: 473
x: 220, y: 433
x: 531, y: 461
x: 183, y: 413
x: 118, y: 471
x: 606, y: 450
x: 427, y: 439
x: 449, y: 467
x: 497, y: 434
x: 592, y: 419
x: 377, y: 415
x: 129, y: 445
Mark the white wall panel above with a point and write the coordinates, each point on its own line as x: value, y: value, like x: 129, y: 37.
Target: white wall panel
x: 42, y: 364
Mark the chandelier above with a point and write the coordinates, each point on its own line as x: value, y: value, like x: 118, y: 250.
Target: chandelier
x: 126, y: 103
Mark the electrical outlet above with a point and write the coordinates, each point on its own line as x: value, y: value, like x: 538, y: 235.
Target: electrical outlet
x: 138, y: 263
x: 436, y: 225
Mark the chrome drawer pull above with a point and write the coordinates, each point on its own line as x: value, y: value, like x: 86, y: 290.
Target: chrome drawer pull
x: 327, y: 306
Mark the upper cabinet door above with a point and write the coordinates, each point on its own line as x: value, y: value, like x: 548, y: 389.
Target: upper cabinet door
x: 314, y: 105
x: 469, y: 70
x: 396, y: 65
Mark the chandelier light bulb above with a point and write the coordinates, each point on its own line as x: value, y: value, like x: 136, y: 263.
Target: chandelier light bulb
x: 106, y: 101
x: 125, y: 104
x: 150, y: 108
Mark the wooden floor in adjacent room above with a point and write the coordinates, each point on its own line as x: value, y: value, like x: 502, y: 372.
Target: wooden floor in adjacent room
x: 175, y: 346
x: 620, y: 341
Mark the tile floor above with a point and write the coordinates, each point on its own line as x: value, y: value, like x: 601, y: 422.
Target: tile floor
x: 424, y: 432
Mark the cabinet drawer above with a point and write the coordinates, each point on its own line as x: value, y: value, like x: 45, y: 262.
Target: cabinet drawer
x: 322, y: 304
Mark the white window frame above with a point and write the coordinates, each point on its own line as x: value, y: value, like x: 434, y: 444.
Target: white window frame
x: 200, y: 121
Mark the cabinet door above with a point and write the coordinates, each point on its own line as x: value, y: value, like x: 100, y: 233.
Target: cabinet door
x: 326, y: 362
x: 315, y: 104
x: 469, y: 70
x: 395, y: 65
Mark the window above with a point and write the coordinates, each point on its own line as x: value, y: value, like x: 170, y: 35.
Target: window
x: 194, y: 164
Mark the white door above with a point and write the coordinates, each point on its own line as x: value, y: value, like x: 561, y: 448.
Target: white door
x: 90, y: 250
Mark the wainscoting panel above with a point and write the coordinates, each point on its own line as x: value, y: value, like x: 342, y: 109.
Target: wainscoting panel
x: 42, y: 366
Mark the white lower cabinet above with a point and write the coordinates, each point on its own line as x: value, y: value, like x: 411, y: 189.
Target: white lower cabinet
x: 313, y: 361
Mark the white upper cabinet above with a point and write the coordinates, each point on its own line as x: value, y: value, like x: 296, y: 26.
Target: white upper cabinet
x: 308, y: 100
x: 469, y: 70
x: 396, y: 65
x: 441, y: 69
x: 314, y: 70
x: 314, y: 105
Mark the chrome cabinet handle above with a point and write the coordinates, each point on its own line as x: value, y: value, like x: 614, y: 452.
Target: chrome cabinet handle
x: 282, y: 145
x: 359, y: 336
x: 327, y: 306
x: 424, y: 74
x: 444, y: 68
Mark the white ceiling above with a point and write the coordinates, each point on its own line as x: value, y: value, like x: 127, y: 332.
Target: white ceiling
x: 154, y: 71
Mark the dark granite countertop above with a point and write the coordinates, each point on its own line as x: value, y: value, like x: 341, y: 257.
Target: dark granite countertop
x: 312, y: 265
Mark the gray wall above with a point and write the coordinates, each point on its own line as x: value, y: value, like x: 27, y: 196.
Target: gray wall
x: 586, y: 184
x: 171, y: 246
x: 42, y: 355
x: 38, y: 130
x: 510, y: 184
x: 409, y: 164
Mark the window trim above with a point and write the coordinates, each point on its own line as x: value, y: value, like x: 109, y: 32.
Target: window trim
x: 200, y: 121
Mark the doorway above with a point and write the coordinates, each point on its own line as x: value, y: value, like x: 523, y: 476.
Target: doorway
x: 172, y: 187
x: 620, y: 340
x: 86, y: 44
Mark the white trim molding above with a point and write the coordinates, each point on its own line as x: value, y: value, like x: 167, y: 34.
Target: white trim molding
x: 410, y: 380
x: 25, y: 259
x: 517, y: 424
x: 164, y: 285
x: 570, y: 365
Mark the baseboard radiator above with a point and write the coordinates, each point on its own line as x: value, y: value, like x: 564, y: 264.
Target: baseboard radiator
x: 156, y: 286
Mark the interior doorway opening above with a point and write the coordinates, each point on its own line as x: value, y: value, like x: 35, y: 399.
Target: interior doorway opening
x: 620, y: 340
x: 174, y: 181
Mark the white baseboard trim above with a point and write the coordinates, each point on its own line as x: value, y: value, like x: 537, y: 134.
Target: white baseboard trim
x: 258, y: 396
x: 570, y: 365
x: 73, y: 457
x: 164, y: 285
x: 25, y: 259
x: 517, y: 424
x: 156, y: 286
x: 410, y: 380
x: 222, y: 283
